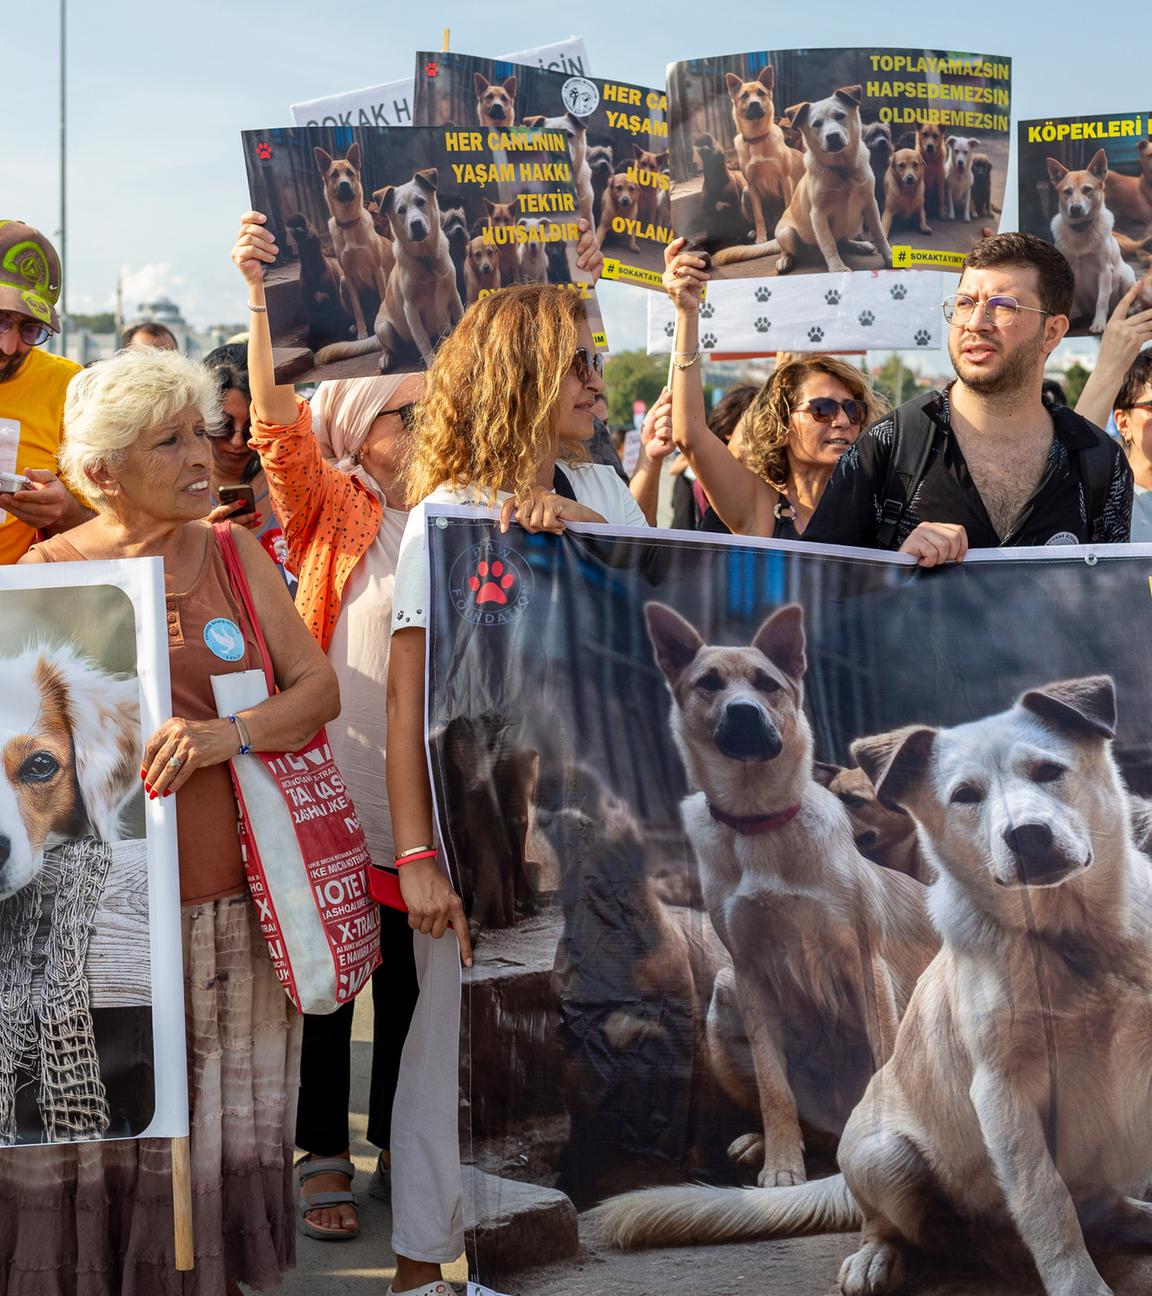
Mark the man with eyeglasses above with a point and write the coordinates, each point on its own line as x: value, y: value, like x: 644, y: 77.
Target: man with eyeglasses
x: 985, y: 463
x: 32, y: 387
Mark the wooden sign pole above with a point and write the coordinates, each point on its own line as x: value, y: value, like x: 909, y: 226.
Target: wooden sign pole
x: 182, y: 1204
x: 447, y: 33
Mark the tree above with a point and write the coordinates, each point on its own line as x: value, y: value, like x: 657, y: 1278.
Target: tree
x: 104, y: 322
x: 632, y: 376
x: 1073, y: 380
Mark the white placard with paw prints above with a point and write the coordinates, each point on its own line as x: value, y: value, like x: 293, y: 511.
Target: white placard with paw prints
x: 858, y: 311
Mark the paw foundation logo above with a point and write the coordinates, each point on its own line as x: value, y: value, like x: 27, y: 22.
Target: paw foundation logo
x: 490, y: 584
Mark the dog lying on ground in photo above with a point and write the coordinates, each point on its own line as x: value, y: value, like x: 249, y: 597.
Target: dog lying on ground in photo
x: 1012, y: 1115
x: 70, y: 740
x: 835, y: 198
x: 365, y: 258
x: 822, y: 999
x: 421, y: 303
x: 1082, y: 230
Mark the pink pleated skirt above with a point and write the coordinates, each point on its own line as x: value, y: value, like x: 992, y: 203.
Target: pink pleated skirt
x: 95, y: 1219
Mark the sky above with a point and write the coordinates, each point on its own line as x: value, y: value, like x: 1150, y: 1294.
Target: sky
x: 158, y: 94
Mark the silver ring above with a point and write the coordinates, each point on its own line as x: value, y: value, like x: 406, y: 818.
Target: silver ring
x: 174, y: 762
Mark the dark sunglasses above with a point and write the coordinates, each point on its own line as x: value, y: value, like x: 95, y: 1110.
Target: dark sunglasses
x: 824, y: 409
x: 31, y: 333
x: 406, y: 413
x: 586, y: 364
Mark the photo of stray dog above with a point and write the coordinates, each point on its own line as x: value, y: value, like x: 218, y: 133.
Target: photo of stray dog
x: 904, y: 191
x: 617, y: 135
x: 409, y: 242
x: 813, y: 134
x: 1071, y: 191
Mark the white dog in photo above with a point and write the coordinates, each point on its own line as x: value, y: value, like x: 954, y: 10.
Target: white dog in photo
x: 69, y: 755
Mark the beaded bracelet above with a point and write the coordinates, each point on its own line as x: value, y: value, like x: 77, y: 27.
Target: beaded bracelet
x: 245, y: 736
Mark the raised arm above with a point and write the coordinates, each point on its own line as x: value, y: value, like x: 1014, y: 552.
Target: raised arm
x: 742, y: 499
x: 255, y: 248
x: 1120, y: 344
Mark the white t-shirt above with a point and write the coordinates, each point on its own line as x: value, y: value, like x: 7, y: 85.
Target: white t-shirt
x: 595, y: 485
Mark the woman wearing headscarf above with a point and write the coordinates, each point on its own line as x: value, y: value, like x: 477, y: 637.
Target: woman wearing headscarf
x: 332, y: 476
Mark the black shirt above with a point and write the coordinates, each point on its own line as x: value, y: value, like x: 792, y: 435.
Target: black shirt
x: 849, y: 510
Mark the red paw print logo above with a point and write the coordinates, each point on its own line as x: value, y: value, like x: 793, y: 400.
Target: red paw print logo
x: 264, y: 151
x: 491, y: 583
x: 431, y: 68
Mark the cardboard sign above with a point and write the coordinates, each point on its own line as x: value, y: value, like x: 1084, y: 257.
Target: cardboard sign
x: 390, y: 104
x: 1085, y: 184
x: 386, y: 235
x: 825, y: 162
x: 619, y: 141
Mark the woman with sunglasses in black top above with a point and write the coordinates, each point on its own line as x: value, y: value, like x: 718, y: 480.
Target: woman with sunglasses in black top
x: 792, y: 435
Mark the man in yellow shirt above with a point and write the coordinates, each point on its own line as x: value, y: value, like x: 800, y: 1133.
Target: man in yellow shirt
x: 32, y: 387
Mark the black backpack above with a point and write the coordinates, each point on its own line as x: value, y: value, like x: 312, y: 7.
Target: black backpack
x: 916, y: 437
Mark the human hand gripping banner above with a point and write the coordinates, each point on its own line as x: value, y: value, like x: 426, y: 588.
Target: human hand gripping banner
x: 813, y: 912
x: 835, y: 162
x: 618, y: 135
x: 387, y: 234
x: 91, y: 986
x: 1086, y: 186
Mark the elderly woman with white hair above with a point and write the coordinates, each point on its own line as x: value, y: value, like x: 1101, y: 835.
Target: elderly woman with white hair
x: 97, y: 1219
x: 333, y: 476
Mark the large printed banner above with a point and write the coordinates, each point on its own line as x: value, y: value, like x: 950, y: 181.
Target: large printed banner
x: 617, y: 132
x: 390, y: 104
x: 1086, y: 186
x: 821, y: 162
x: 387, y: 234
x: 91, y: 990
x: 806, y: 872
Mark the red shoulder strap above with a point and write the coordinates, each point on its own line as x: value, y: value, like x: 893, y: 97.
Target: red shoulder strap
x: 234, y: 566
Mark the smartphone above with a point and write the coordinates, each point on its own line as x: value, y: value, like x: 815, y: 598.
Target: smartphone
x: 230, y: 494
x: 11, y: 482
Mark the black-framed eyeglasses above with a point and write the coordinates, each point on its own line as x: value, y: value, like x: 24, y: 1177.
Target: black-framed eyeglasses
x: 824, y: 409
x: 31, y: 333
x: 406, y: 414
x: 586, y: 363
x: 999, y: 311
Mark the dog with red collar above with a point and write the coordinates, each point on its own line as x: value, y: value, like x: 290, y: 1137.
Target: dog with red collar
x: 826, y: 947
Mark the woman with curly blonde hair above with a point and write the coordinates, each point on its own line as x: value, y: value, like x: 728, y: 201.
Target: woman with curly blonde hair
x: 793, y: 434
x: 511, y: 390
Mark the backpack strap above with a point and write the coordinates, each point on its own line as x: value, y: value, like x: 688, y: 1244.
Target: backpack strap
x: 1095, y: 466
x: 914, y: 437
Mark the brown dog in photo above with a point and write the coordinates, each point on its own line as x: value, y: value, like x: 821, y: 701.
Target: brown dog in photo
x: 883, y: 832
x: 1130, y: 197
x: 770, y: 167
x: 481, y: 269
x: 982, y: 187
x: 366, y: 259
x: 933, y: 150
x: 503, y: 216
x: 495, y: 102
x: 904, y: 191
x: 621, y: 198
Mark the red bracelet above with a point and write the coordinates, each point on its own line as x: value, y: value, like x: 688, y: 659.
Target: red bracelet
x: 430, y: 853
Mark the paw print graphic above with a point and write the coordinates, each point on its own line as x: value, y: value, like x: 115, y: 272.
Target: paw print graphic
x: 491, y: 583
x: 867, y: 318
x: 815, y: 333
x: 763, y: 325
x: 899, y: 292
x: 832, y: 297
x: 669, y: 329
x: 763, y: 293
x: 708, y: 341
x: 707, y: 310
x: 923, y: 337
x: 263, y: 150
x: 431, y: 68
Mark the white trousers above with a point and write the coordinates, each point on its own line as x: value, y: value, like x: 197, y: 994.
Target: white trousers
x: 427, y: 1209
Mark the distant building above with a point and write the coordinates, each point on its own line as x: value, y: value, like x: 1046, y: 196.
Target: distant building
x: 84, y: 346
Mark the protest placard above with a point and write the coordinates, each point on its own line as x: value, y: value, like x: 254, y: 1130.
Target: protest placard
x: 803, y: 876
x: 619, y: 141
x: 1085, y: 184
x: 390, y: 104
x: 386, y: 234
x: 819, y: 162
x: 91, y: 999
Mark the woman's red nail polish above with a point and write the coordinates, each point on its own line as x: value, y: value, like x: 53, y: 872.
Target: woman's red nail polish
x: 152, y: 795
x: 167, y: 791
x: 143, y: 773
